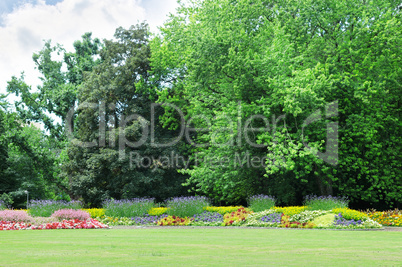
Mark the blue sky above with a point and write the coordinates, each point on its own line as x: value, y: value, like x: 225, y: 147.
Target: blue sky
x: 25, y: 24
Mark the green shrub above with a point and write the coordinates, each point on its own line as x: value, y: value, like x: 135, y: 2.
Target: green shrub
x: 186, y: 206
x: 259, y: 203
x: 325, y: 202
x: 128, y: 208
x: 350, y: 214
x: 45, y: 208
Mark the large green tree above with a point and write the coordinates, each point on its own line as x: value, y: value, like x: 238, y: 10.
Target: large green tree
x: 58, y: 92
x: 34, y: 159
x: 27, y: 162
x: 111, y: 155
x: 324, y: 78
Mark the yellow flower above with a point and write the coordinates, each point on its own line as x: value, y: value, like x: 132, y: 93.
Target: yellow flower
x: 223, y: 210
x: 157, y: 211
x: 292, y: 210
x: 95, y: 212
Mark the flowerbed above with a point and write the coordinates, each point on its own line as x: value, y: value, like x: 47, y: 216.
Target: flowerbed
x: 65, y: 224
x: 283, y: 217
x: 95, y: 212
x: 297, y: 213
x: 222, y: 210
x: 318, y: 212
x: 386, y: 218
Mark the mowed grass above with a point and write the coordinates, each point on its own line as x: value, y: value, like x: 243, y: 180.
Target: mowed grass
x: 200, y: 247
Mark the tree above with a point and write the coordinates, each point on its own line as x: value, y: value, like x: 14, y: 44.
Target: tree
x: 114, y: 112
x: 33, y: 158
x: 27, y: 162
x: 58, y: 92
x: 319, y: 72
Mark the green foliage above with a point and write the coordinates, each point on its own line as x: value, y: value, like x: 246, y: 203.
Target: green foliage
x: 59, y: 89
x: 324, y: 220
x: 28, y: 162
x: 322, y: 76
x: 5, y: 201
x: 113, y: 167
x: 223, y: 61
x: 325, y: 202
x: 350, y: 214
x: 34, y: 159
x: 259, y: 203
x: 128, y: 208
x: 307, y: 216
x: 45, y: 208
x: 289, y: 211
x: 186, y: 206
x: 222, y: 210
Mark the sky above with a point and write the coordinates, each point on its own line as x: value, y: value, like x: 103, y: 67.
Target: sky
x: 25, y: 24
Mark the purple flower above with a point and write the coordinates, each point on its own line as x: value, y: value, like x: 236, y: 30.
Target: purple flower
x: 272, y: 218
x: 339, y: 220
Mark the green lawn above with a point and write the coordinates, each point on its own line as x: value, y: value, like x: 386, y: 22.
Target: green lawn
x: 201, y: 247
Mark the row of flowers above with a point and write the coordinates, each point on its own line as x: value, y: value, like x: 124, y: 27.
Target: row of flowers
x: 96, y: 213
x: 295, y: 217
x: 145, y: 209
x: 342, y: 218
x: 65, y: 224
x: 60, y: 219
x: 386, y: 218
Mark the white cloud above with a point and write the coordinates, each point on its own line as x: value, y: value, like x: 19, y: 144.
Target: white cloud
x: 24, y: 29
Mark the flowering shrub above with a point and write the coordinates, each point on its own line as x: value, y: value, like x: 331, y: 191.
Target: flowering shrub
x: 95, y: 213
x: 116, y: 220
x: 339, y: 220
x: 70, y: 214
x: 307, y: 215
x: 350, y: 214
x: 222, y: 210
x: 186, y: 206
x: 236, y: 217
x: 148, y: 219
x: 259, y: 203
x: 324, y: 221
x: 66, y: 224
x: 387, y: 218
x: 45, y: 208
x: 255, y: 219
x: 273, y: 218
x: 325, y: 202
x: 139, y: 220
x: 369, y: 223
x: 287, y: 223
x: 174, y: 221
x: 157, y: 211
x: 128, y: 208
x: 15, y: 216
x: 207, y: 218
x: 292, y: 210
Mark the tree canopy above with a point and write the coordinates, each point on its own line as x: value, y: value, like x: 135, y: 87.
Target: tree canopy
x: 311, y: 70
x: 232, y: 98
